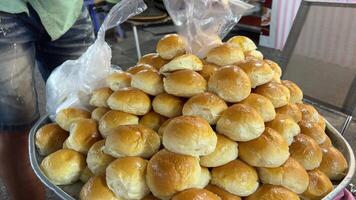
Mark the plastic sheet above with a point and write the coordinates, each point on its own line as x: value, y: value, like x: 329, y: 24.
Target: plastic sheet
x: 71, y: 84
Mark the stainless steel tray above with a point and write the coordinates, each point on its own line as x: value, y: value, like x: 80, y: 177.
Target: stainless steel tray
x: 70, y: 192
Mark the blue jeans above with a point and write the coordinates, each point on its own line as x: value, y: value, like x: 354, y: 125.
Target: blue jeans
x: 23, y: 41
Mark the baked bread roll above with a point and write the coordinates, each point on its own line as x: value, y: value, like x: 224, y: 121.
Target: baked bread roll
x: 204, y: 178
x: 225, y: 54
x: 277, y: 70
x: 208, y: 70
x: 262, y: 105
x: 168, y: 105
x: 184, y: 83
x: 83, y: 134
x: 285, y: 126
x: 230, y: 83
x: 313, y: 130
x: 272, y: 192
x: 186, y: 61
x: 327, y: 143
x: 194, y: 194
x: 98, y: 113
x: 276, y: 92
x: 97, y: 160
x: 100, y: 96
x: 309, y: 113
x: 118, y: 80
x: 291, y: 175
x: 152, y: 59
x: 63, y: 167
x: 333, y: 164
x: 240, y: 123
x: 319, y: 186
x: 65, y: 116
x: 242, y: 42
x: 132, y: 140
x: 189, y: 135
x: 139, y: 67
x: 149, y: 81
x: 130, y: 100
x: 235, y: 177
x: 321, y: 122
x: 152, y: 120
x: 223, y: 194
x: 113, y: 119
x: 169, y: 173
x: 258, y: 71
x: 296, y: 94
x: 253, y: 54
x: 225, y: 151
x: 205, y: 105
x: 163, y: 127
x: 126, y: 177
x: 306, y: 151
x: 291, y: 110
x: 50, y: 138
x: 269, y: 150
x: 96, y: 189
x: 170, y: 46
x: 86, y: 175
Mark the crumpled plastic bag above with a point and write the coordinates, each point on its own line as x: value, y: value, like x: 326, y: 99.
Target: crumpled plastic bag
x: 203, y: 22
x: 71, y: 84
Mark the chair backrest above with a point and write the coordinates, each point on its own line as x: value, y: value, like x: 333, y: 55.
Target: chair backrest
x: 320, y: 54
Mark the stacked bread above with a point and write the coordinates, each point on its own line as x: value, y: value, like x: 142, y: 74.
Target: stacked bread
x: 178, y: 127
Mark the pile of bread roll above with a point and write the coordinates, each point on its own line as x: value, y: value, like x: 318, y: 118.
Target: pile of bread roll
x: 178, y: 127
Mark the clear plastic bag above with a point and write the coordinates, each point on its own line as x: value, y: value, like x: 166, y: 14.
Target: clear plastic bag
x: 71, y: 84
x: 203, y: 22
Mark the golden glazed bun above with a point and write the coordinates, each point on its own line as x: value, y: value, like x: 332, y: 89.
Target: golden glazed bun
x: 126, y: 177
x: 225, y: 151
x: 163, y: 127
x: 230, y: 83
x: 66, y: 116
x: 262, y: 105
x: 97, y: 160
x: 208, y: 70
x: 257, y: 70
x: 204, y: 178
x: 269, y: 150
x: 313, y: 130
x: 168, y: 105
x: 205, y: 105
x: 100, y: 96
x: 272, y: 192
x: 240, y: 123
x: 242, y: 42
x: 98, y: 113
x: 253, y: 54
x: 189, y: 135
x: 309, y: 113
x: 291, y: 175
x: 170, y: 46
x: 225, y: 54
x: 130, y: 100
x: 86, y: 175
x: 113, y: 119
x: 96, y: 189
x: 50, y: 138
x: 235, y: 177
x: 139, y: 67
x: 306, y: 151
x: 118, y: 80
x: 291, y: 110
x: 152, y: 120
x: 321, y: 122
x: 319, y: 186
x: 132, y: 140
x: 83, y: 134
x: 149, y: 81
x: 296, y: 94
x: 195, y: 194
x: 327, y: 143
x: 152, y: 59
x: 277, y: 70
x: 186, y: 61
x: 276, y: 92
x: 63, y: 167
x: 169, y: 173
x: 285, y: 126
x: 223, y: 194
x: 333, y: 164
x: 184, y: 83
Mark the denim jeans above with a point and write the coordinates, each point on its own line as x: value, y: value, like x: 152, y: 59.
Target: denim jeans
x: 24, y: 42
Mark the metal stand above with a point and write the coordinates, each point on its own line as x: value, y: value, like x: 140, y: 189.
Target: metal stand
x: 346, y: 124
x: 137, y: 42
